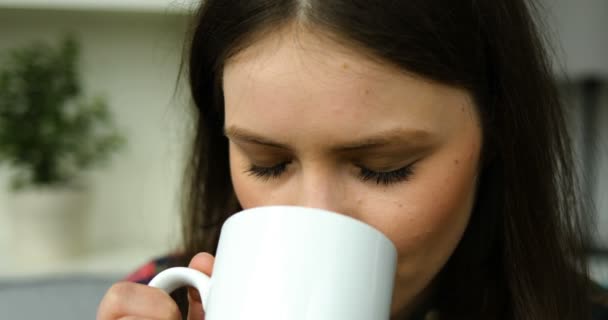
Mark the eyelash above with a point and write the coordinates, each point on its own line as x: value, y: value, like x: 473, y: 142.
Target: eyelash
x: 366, y: 175
x: 267, y: 173
x: 388, y: 177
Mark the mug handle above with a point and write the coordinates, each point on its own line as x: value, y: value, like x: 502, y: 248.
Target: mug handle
x: 177, y: 277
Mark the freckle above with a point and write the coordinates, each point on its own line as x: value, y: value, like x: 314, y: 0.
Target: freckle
x: 456, y: 161
x: 345, y: 66
x: 400, y: 205
x: 366, y: 91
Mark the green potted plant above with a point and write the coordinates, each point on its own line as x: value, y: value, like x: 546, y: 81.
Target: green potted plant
x: 49, y: 136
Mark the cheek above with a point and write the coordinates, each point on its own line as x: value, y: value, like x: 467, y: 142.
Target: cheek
x: 435, y: 218
x: 427, y: 212
x: 428, y: 222
x: 435, y: 207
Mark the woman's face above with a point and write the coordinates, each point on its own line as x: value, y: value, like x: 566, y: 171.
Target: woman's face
x: 315, y: 124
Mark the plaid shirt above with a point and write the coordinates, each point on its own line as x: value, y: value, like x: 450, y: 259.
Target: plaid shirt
x: 145, y: 273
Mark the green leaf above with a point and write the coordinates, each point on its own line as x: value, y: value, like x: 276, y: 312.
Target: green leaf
x: 49, y: 132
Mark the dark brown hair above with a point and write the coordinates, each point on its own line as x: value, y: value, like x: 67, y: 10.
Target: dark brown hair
x: 521, y: 256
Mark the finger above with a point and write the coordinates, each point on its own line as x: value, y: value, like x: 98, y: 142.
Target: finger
x: 202, y: 262
x: 125, y: 299
x: 195, y: 306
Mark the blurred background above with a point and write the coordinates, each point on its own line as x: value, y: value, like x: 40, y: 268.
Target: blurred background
x: 130, y: 52
x: 127, y: 55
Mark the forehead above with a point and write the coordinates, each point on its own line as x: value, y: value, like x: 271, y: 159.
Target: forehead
x: 314, y: 59
x: 300, y: 80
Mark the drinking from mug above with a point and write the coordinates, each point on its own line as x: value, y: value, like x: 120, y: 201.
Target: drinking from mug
x: 432, y: 123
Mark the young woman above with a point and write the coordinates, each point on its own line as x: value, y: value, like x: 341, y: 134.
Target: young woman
x: 436, y: 122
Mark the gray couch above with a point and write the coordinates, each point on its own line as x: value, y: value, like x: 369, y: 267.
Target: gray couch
x: 53, y: 298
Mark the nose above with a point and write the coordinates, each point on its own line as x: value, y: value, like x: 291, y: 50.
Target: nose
x: 322, y: 188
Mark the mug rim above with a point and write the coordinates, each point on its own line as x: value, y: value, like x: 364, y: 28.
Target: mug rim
x: 336, y: 215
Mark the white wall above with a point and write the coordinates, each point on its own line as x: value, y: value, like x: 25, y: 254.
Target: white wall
x: 580, y: 27
x: 131, y: 58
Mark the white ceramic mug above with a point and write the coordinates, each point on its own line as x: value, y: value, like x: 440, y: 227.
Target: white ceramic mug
x: 294, y: 263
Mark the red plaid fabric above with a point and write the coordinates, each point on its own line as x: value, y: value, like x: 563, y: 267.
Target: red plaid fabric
x: 146, y: 272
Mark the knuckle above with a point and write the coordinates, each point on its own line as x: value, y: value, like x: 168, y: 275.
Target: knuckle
x: 120, y: 291
x: 113, y: 303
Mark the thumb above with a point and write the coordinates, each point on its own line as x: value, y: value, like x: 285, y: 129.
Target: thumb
x: 202, y: 262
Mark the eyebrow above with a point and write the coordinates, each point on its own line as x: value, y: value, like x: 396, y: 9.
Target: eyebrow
x: 377, y: 140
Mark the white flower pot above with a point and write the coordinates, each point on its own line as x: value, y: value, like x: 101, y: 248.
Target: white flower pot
x: 47, y: 224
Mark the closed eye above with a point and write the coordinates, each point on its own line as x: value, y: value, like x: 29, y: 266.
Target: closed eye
x: 386, y: 177
x: 267, y: 173
x: 365, y: 174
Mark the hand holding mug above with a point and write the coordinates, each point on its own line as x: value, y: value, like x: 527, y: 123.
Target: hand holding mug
x: 126, y: 300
